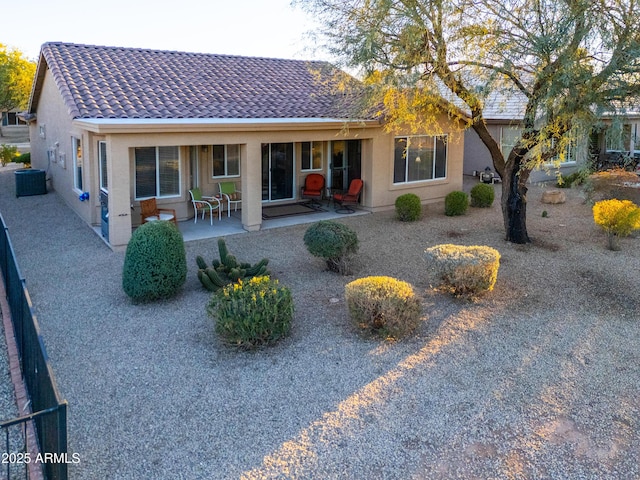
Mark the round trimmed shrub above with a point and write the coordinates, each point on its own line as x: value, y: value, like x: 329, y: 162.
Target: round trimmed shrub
x: 408, y: 207
x: 382, y: 305
x: 252, y: 313
x: 482, y: 195
x: 333, y: 241
x: 155, y: 264
x: 464, y: 270
x: 456, y: 203
x: 618, y: 218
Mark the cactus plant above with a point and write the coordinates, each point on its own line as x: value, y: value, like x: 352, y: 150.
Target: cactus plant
x: 227, y: 269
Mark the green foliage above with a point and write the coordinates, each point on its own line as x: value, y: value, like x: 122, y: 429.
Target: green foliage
x: 16, y: 77
x: 227, y: 269
x: 155, y: 265
x: 7, y: 154
x: 424, y: 61
x: 334, y: 242
x: 23, y: 158
x: 482, y: 195
x: 576, y: 178
x: 408, y: 207
x: 252, y: 313
x: 545, y: 214
x: 456, y: 203
x: 618, y: 218
x: 463, y: 270
x: 383, y: 306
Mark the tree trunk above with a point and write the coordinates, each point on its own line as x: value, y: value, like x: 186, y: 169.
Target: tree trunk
x: 514, y: 203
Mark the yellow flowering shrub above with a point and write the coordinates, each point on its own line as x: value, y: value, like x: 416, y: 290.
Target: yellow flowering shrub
x: 463, y: 270
x: 252, y: 312
x: 383, y: 305
x: 618, y: 218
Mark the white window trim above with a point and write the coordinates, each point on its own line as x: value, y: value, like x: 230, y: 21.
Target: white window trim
x: 322, y: 150
x: 406, y: 165
x: 226, y: 162
x: 74, y: 155
x: 100, y: 172
x: 179, y: 194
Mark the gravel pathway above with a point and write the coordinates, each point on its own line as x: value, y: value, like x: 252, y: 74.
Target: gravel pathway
x: 539, y: 379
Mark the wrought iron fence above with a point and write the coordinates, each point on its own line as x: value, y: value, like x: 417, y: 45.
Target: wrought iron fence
x: 49, y: 415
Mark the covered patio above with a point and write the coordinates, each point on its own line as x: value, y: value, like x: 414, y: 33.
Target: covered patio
x: 233, y: 225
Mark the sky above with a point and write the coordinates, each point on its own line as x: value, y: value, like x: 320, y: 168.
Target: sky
x: 263, y: 28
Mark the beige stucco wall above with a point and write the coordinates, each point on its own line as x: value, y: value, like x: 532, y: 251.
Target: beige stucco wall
x: 58, y: 129
x: 376, y: 164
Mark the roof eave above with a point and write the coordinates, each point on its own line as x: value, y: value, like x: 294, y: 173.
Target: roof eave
x: 146, y: 125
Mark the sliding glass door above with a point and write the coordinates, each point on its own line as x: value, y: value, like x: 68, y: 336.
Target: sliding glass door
x: 277, y: 171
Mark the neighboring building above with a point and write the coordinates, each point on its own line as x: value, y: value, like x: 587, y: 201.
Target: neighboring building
x: 126, y: 124
x: 617, y: 141
x: 12, y: 127
x: 503, y: 114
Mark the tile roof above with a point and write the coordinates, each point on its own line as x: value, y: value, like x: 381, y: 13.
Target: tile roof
x: 113, y: 82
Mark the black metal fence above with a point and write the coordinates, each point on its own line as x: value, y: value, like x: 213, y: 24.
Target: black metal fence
x: 49, y: 411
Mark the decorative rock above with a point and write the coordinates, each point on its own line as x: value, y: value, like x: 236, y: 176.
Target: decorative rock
x: 553, y: 196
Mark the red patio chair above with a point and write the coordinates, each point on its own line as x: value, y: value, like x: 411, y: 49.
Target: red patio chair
x: 313, y: 188
x: 350, y: 198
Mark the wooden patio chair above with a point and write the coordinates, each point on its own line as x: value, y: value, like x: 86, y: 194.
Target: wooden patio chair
x: 149, y: 212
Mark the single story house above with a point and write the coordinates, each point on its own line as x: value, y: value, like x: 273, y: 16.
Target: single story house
x: 126, y: 124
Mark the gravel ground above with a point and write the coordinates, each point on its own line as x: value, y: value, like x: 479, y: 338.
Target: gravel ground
x: 538, y: 379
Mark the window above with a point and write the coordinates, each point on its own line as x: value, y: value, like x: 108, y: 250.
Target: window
x: 226, y: 161
x: 102, y: 159
x: 569, y: 154
x: 419, y: 158
x: 76, y: 145
x: 311, y: 156
x: 11, y: 119
x: 618, y: 138
x: 157, y: 172
x: 509, y: 136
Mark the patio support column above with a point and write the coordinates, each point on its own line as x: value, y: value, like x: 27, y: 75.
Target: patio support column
x: 251, y: 168
x: 119, y: 194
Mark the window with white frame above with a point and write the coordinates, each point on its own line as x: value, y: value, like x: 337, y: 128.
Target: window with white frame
x: 76, y: 147
x: 509, y: 137
x: 420, y: 157
x: 226, y: 161
x: 311, y: 156
x: 618, y: 137
x: 157, y: 172
x: 102, y: 162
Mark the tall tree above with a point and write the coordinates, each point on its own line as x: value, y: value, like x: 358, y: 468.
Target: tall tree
x: 16, y: 78
x: 569, y: 60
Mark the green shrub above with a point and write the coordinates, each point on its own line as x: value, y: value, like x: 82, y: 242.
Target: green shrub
x: 482, y: 195
x: 334, y: 242
x: 408, y: 207
x: 618, y: 218
x: 227, y: 269
x: 575, y: 178
x: 383, y: 306
x: 252, y: 313
x: 155, y: 265
x: 23, y: 158
x: 456, y: 203
x: 463, y: 270
x: 7, y: 153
